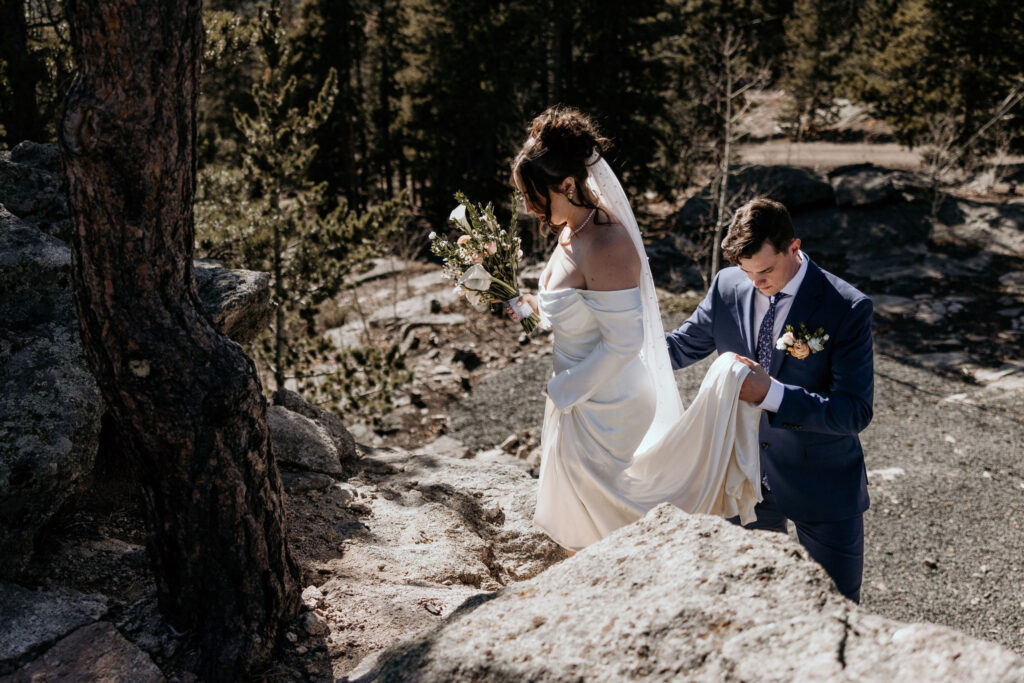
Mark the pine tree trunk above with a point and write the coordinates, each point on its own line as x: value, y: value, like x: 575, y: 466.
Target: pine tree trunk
x: 723, y: 189
x: 21, y: 117
x: 186, y: 401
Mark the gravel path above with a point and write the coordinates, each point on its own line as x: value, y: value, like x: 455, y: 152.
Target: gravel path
x: 945, y: 532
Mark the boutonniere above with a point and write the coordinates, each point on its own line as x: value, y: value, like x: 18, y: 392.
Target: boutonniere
x: 803, y: 343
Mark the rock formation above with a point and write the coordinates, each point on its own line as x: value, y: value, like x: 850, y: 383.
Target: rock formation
x: 950, y: 266
x: 50, y: 407
x: 680, y: 597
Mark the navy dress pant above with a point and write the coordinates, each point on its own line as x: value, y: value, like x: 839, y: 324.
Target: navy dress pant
x: 837, y: 546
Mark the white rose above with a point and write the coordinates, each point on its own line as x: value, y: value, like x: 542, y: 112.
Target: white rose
x: 458, y: 215
x: 785, y: 341
x: 476, y: 278
x: 816, y: 344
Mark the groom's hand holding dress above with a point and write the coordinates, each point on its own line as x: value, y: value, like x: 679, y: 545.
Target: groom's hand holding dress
x: 819, y: 395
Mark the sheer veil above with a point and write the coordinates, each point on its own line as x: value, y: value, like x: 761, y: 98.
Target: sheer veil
x: 601, y: 181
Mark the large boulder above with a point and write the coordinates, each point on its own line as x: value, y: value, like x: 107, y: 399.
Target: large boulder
x: 301, y: 443
x: 50, y: 406
x: 864, y: 230
x: 330, y: 422
x: 32, y: 621
x: 965, y: 225
x: 92, y: 653
x: 238, y: 301
x: 673, y: 264
x: 799, y: 189
x: 31, y: 187
x: 868, y: 185
x: 681, y: 597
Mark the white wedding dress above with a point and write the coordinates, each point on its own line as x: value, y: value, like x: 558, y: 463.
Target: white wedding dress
x: 593, y: 480
x: 615, y: 440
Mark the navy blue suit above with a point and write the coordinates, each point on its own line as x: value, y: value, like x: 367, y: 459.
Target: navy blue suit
x: 810, y: 452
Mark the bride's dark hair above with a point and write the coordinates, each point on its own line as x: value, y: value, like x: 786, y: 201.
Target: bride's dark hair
x: 560, y: 145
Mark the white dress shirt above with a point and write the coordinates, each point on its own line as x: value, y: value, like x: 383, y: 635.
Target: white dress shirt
x: 773, y: 400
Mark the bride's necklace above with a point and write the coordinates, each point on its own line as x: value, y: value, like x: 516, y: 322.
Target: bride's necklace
x: 584, y: 224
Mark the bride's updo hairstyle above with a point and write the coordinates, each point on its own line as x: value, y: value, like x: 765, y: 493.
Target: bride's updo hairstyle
x: 562, y: 144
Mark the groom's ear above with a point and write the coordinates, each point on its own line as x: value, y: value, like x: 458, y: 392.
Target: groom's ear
x: 794, y: 246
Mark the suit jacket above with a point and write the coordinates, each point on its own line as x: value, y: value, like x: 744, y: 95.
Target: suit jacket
x: 810, y: 450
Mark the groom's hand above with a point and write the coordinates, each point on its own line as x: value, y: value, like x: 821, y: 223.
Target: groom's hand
x: 757, y: 382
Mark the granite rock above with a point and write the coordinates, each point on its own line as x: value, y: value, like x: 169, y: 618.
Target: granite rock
x: 31, y: 621
x: 685, y: 597
x: 92, y: 653
x: 50, y: 406
x: 238, y: 301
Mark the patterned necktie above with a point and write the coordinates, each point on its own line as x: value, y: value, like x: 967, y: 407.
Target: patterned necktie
x: 766, y: 335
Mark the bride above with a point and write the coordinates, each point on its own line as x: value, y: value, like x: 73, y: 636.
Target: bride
x: 616, y: 441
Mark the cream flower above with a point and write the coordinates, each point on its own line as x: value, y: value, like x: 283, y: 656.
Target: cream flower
x: 458, y: 215
x: 463, y: 240
x: 816, y: 344
x: 491, y: 248
x: 476, y: 278
x: 477, y: 258
x: 785, y: 341
x: 432, y: 236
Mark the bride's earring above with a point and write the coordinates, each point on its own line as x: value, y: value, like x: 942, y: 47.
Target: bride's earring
x: 570, y: 193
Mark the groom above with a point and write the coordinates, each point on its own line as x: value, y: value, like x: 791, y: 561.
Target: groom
x: 816, y: 394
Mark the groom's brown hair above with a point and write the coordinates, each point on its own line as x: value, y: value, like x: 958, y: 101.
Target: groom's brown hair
x: 758, y: 221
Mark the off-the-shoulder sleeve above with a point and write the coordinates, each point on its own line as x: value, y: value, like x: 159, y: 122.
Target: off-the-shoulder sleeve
x: 619, y: 317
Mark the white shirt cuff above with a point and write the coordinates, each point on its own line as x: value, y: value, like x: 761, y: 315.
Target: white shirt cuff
x: 773, y: 399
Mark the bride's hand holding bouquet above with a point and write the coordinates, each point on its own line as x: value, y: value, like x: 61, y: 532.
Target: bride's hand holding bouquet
x: 484, y: 260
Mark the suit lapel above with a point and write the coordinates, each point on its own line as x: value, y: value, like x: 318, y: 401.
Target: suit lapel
x: 806, y: 302
x: 744, y: 303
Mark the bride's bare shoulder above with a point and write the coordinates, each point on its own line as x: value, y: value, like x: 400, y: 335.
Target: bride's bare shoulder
x: 611, y: 260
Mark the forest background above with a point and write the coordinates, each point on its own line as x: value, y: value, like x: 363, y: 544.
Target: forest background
x: 334, y: 130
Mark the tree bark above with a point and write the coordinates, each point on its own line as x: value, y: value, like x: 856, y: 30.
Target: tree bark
x: 186, y: 401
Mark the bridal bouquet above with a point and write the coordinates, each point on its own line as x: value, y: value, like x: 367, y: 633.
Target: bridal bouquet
x: 484, y: 259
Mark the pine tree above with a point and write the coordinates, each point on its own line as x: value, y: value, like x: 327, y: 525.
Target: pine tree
x: 274, y: 218
x: 692, y: 52
x: 471, y: 85
x: 330, y: 37
x: 921, y: 60
x: 819, y: 34
x: 617, y: 78
x: 35, y: 69
x: 386, y: 47
x: 229, y: 71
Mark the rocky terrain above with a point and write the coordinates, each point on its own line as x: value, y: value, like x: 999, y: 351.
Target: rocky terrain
x: 413, y: 531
